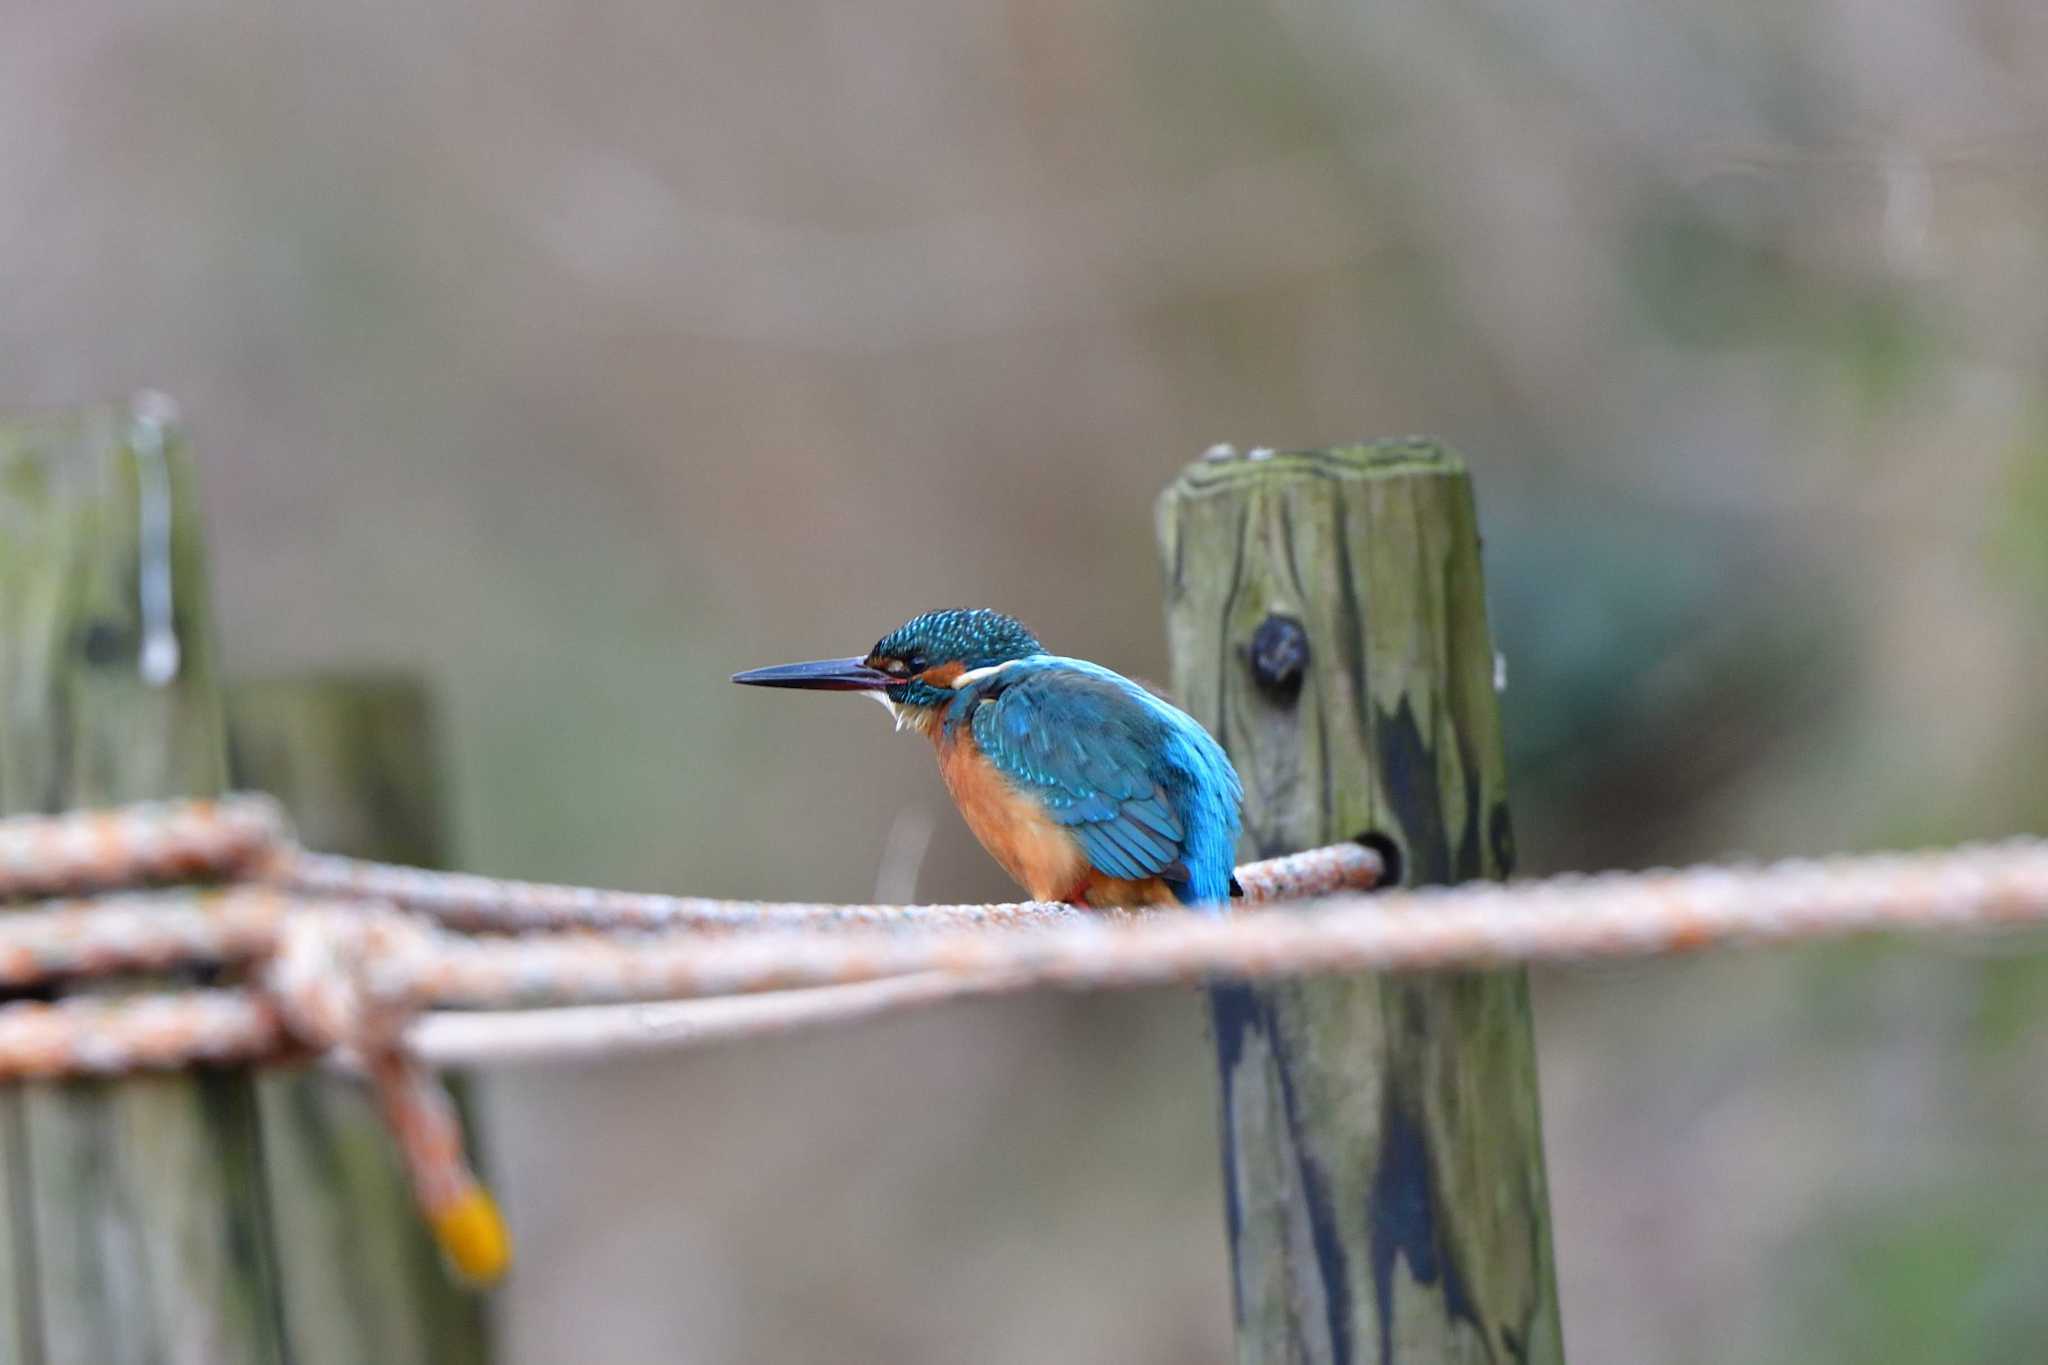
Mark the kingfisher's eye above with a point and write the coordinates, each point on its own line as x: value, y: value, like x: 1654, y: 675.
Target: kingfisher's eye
x: 916, y: 663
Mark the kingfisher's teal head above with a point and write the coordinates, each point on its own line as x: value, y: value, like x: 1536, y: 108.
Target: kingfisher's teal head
x: 916, y: 668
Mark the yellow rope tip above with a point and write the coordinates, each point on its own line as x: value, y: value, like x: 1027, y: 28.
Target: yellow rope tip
x: 473, y: 1237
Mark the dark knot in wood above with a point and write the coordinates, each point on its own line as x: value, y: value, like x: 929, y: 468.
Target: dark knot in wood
x: 1279, y: 657
x: 102, y: 644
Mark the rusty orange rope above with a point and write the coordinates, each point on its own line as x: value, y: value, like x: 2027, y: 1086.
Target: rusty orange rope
x: 490, y: 905
x: 412, y: 965
x: 1481, y: 925
x: 334, y: 968
x: 361, y: 962
x: 106, y: 1036
x: 137, y: 932
x: 374, y: 963
x: 154, y: 841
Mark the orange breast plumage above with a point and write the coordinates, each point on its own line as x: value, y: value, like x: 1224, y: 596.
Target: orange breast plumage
x: 1046, y: 860
x: 1044, y: 857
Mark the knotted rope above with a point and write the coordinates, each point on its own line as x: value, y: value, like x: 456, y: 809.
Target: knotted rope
x: 333, y: 967
x: 364, y: 964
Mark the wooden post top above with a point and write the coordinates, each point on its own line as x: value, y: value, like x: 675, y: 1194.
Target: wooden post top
x: 1223, y: 467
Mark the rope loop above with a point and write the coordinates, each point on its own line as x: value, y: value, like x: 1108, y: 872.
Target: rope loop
x: 338, y: 977
x: 340, y: 982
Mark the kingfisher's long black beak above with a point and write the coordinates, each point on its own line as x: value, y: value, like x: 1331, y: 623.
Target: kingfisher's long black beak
x: 821, y: 675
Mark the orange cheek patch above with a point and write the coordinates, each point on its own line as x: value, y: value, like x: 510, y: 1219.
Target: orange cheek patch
x: 943, y: 675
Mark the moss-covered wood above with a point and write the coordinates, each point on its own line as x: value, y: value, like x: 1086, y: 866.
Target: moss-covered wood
x: 352, y: 758
x: 135, y: 1208
x: 1382, y: 1151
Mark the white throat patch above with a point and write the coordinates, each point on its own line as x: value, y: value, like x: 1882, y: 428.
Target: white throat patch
x: 907, y: 717
x: 896, y: 713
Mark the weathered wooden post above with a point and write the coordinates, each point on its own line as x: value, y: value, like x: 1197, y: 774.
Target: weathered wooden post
x: 352, y: 757
x: 134, y: 1209
x: 1382, y: 1151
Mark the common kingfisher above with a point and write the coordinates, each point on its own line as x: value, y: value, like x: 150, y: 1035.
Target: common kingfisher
x: 1085, y: 786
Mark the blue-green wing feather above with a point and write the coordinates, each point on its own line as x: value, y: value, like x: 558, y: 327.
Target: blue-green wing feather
x: 1142, y: 787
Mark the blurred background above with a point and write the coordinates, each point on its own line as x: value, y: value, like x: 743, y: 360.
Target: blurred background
x: 576, y: 356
